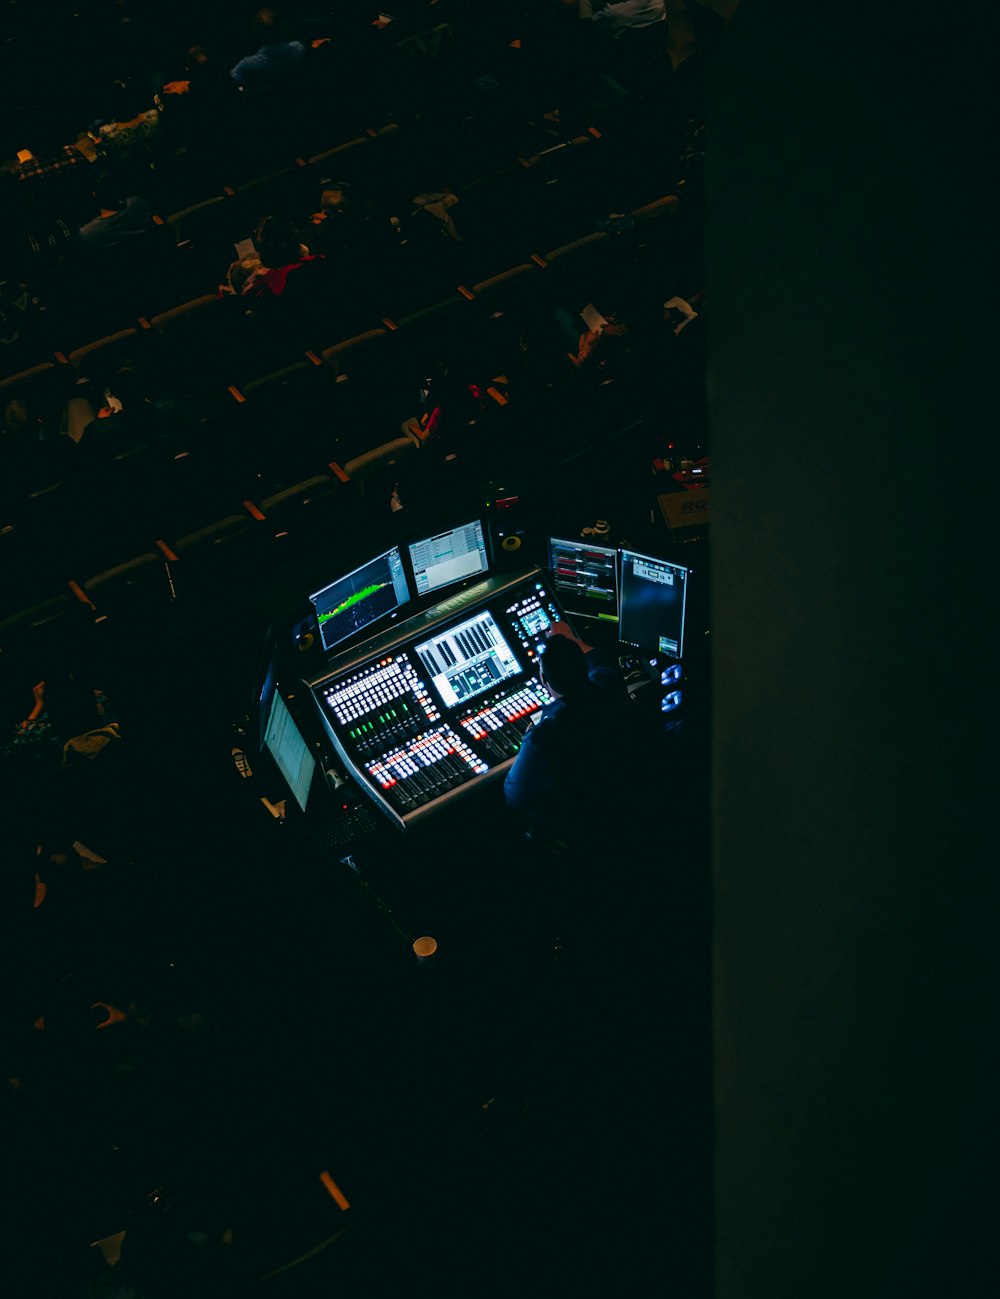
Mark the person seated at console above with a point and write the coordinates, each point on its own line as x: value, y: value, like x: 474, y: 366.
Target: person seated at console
x: 567, y: 779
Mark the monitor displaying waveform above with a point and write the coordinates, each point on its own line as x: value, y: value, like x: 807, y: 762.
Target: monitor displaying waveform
x: 354, y: 598
x: 355, y: 602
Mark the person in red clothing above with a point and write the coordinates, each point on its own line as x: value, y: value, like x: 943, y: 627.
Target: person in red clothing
x: 279, y: 255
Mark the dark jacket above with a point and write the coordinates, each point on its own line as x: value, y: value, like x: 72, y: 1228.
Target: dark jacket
x: 572, y: 766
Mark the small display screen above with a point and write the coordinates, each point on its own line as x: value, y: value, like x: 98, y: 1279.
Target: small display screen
x: 585, y: 578
x: 368, y: 594
x: 289, y: 750
x: 467, y: 659
x: 448, y: 557
x: 653, y: 604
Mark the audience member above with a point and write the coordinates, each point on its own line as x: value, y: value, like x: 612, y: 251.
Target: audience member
x: 64, y: 708
x: 277, y: 59
x: 349, y: 221
x: 196, y: 104
x: 30, y: 441
x: 129, y: 119
x: 51, y: 182
x: 126, y: 413
x: 616, y: 17
x: 279, y: 254
x: 120, y: 220
x: 15, y: 313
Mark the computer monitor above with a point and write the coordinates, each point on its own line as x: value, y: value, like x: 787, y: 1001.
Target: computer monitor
x: 467, y: 659
x: 653, y: 603
x: 284, y: 742
x: 448, y: 557
x: 585, y: 578
x: 366, y: 595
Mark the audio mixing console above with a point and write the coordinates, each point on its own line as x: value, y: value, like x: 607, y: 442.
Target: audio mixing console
x: 440, y: 704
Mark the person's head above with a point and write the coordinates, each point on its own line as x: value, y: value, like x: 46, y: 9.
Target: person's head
x: 277, y: 242
x: 16, y: 415
x: 126, y: 100
x: 107, y: 192
x: 338, y: 196
x: 563, y: 667
x: 268, y: 26
x: 126, y: 383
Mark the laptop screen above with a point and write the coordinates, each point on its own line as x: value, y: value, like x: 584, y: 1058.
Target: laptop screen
x: 284, y: 741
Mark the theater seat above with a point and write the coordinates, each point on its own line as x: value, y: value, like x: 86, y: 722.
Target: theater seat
x: 44, y: 614
x: 668, y: 205
x: 298, y: 400
x: 206, y: 345
x: 578, y: 249
x: 25, y: 377
x: 337, y: 353
x: 213, y: 536
x: 318, y: 509
x: 123, y: 585
x: 585, y: 265
x: 337, y: 153
x: 108, y: 344
x: 362, y: 467
x: 206, y: 233
x: 211, y: 554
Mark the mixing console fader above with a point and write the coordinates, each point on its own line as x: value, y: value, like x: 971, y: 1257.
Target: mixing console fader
x: 441, y: 703
x: 421, y: 769
x: 498, y: 725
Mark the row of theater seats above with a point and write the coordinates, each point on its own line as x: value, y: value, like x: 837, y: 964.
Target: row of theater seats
x: 250, y: 412
x: 275, y: 451
x: 252, y: 536
x: 204, y: 343
x: 524, y: 206
x: 227, y: 391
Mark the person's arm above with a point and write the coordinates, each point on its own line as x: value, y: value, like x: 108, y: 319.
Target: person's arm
x: 562, y: 628
x: 528, y: 784
x: 38, y: 690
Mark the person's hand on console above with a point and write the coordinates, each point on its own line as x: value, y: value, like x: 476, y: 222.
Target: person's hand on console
x: 562, y: 628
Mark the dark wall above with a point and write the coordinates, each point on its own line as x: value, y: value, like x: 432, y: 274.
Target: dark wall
x: 851, y: 388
